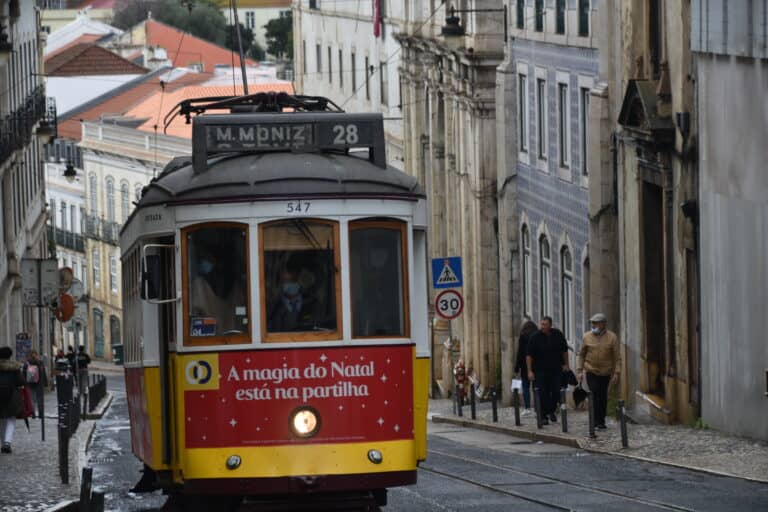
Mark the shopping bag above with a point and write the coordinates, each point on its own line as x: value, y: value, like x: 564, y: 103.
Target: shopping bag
x: 579, y: 395
x: 27, y: 409
x: 517, y: 384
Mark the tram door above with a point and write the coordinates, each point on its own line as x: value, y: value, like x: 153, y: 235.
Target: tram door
x: 161, y: 264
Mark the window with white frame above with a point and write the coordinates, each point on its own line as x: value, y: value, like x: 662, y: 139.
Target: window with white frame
x: 384, y: 83
x: 110, y: 183
x: 353, y: 71
x: 96, y: 265
x: 520, y: 14
x: 303, y: 57
x: 73, y: 218
x: 583, y: 17
x: 545, y: 277
x: 330, y: 65
x: 341, y: 69
x: 318, y: 61
x: 527, y: 273
x: 137, y: 192
x: 539, y: 15
x: 584, y: 129
x: 368, y: 72
x: 522, y: 112
x: 125, y: 201
x: 63, y: 216
x: 51, y: 205
x: 563, y: 125
x: 587, y: 307
x: 250, y: 19
x: 92, y: 193
x: 560, y: 16
x: 541, y: 117
x: 113, y: 274
x: 566, y: 293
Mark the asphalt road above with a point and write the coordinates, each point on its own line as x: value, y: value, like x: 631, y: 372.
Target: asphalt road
x: 478, y: 471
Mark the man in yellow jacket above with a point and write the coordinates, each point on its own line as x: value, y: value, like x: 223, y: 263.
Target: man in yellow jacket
x: 600, y: 358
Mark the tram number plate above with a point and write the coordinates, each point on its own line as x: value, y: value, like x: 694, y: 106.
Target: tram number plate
x: 297, y: 206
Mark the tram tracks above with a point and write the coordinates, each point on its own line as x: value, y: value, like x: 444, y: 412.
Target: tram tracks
x: 660, y: 505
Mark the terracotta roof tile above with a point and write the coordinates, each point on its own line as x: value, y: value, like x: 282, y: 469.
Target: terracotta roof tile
x: 120, y: 100
x: 89, y: 59
x: 193, y: 50
x: 155, y: 108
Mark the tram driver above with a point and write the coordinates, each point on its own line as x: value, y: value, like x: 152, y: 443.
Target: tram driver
x: 293, y: 309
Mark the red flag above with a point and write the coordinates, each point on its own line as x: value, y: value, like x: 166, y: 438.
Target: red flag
x: 376, y: 18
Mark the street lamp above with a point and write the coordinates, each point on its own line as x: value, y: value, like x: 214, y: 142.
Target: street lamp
x: 69, y: 172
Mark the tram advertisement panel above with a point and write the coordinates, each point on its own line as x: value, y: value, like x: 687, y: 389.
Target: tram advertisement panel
x: 249, y: 398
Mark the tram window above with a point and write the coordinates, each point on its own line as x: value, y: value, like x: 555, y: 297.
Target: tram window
x: 378, y: 278
x: 300, y: 280
x: 216, y: 268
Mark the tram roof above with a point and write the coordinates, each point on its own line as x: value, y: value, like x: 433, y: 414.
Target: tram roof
x: 265, y: 176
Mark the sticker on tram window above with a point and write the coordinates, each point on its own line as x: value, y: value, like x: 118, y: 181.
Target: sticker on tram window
x: 297, y: 206
x: 203, y: 327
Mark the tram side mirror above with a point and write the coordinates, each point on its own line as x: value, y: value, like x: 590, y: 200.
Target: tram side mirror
x: 151, y: 278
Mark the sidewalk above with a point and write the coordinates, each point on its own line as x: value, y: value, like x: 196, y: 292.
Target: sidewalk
x: 699, y: 449
x: 30, y: 475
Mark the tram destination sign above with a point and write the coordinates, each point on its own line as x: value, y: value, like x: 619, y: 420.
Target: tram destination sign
x: 295, y: 132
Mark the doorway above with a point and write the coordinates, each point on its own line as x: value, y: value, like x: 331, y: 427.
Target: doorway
x: 653, y: 284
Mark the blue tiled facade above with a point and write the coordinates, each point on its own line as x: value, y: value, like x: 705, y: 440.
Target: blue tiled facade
x: 556, y: 198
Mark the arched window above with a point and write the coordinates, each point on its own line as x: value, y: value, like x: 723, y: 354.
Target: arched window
x: 110, y: 183
x: 125, y: 200
x: 527, y: 273
x: 545, y: 277
x: 566, y: 293
x: 92, y: 193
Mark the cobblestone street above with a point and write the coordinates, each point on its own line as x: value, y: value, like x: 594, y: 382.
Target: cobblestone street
x: 30, y: 478
x: 674, y: 444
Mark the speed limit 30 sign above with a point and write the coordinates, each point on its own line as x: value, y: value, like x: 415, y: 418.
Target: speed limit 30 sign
x: 449, y: 304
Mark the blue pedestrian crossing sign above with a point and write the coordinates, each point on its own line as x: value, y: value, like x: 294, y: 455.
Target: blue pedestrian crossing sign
x: 446, y: 272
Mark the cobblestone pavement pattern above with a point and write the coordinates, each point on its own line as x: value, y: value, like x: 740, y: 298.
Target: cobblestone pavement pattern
x: 30, y: 475
x: 676, y: 444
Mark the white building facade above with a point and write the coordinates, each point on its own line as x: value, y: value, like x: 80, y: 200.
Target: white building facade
x: 118, y: 162
x: 338, y: 55
x: 26, y: 124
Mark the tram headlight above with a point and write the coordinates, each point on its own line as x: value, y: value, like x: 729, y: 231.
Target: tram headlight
x: 305, y: 422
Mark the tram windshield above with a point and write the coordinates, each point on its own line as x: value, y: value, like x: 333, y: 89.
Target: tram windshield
x: 378, y: 278
x: 217, y: 277
x: 301, y: 279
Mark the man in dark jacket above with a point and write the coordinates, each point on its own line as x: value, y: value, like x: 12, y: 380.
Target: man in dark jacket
x: 547, y: 360
x: 83, y: 360
x: 520, y: 365
x: 11, y: 382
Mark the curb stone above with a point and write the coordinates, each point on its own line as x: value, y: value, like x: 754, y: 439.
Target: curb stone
x: 64, y: 506
x: 576, y: 443
x: 101, y: 409
x: 517, y: 432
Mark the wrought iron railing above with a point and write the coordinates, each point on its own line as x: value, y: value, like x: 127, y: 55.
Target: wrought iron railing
x: 99, y: 228
x: 68, y: 239
x: 16, y: 127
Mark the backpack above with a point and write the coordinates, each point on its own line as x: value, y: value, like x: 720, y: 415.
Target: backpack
x: 32, y: 374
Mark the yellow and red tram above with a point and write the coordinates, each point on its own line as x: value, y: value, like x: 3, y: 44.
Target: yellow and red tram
x: 275, y: 309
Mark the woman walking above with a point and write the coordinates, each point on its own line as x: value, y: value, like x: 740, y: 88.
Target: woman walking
x: 11, y: 382
x: 521, y: 369
x: 36, y: 379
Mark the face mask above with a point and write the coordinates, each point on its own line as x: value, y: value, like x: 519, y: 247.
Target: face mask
x: 205, y: 267
x: 596, y: 330
x: 291, y: 288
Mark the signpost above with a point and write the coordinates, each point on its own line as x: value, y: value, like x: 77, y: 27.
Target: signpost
x: 449, y: 304
x: 446, y: 273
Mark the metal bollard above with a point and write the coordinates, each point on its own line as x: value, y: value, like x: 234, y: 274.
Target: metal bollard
x: 621, y: 409
x: 494, y: 406
x: 472, y: 409
x: 516, y: 404
x: 459, y: 401
x: 85, y: 489
x: 564, y: 410
x: 537, y: 404
x: 591, y: 415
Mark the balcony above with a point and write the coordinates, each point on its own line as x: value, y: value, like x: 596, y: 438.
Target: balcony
x: 98, y: 228
x: 68, y: 239
x: 16, y: 127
